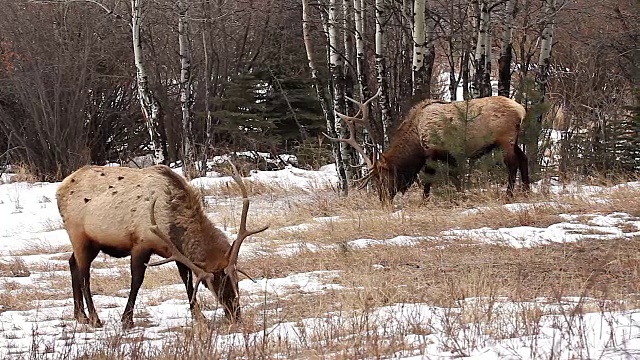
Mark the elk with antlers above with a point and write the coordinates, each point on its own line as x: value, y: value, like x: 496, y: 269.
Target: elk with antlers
x: 488, y: 123
x: 139, y: 212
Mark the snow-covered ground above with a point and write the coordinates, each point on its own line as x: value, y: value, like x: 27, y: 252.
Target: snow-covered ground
x: 36, y: 311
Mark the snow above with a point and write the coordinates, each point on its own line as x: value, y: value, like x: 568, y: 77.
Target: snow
x: 31, y: 231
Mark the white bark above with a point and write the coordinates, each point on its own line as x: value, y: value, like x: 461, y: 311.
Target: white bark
x: 148, y: 103
x: 320, y: 91
x: 382, y: 72
x: 507, y: 35
x: 336, y: 68
x: 418, y: 45
x: 358, y: 15
x: 547, y: 33
x: 188, y: 155
x: 546, y: 42
x: 334, y: 56
x: 506, y: 51
x: 482, y: 55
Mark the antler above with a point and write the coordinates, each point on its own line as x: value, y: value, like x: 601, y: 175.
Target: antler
x: 351, y: 122
x: 176, y: 255
x: 232, y: 270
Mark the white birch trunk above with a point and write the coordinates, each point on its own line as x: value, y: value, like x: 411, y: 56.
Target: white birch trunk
x: 320, y: 91
x: 506, y: 51
x: 207, y: 97
x: 188, y: 153
x: 382, y: 73
x: 418, y: 46
x: 148, y: 103
x: 486, y: 77
x: 358, y: 6
x: 336, y: 69
x: 546, y: 42
x: 481, y: 53
x: 430, y: 49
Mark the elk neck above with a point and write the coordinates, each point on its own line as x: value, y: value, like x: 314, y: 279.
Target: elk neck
x: 405, y: 158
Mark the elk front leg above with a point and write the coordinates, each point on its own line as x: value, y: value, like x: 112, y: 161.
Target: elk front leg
x: 139, y: 259
x: 187, y: 278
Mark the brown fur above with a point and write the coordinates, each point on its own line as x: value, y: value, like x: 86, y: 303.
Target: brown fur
x: 107, y: 209
x: 492, y: 122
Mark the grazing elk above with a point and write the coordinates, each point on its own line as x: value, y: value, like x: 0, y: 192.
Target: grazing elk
x: 139, y: 212
x: 491, y: 122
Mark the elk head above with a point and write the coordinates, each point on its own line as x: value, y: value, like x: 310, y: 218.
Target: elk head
x: 378, y: 168
x: 228, y: 262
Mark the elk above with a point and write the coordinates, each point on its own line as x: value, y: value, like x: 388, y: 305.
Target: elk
x: 139, y: 212
x: 492, y: 122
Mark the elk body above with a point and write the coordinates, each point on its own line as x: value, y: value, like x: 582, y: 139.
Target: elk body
x: 486, y: 123
x: 139, y: 212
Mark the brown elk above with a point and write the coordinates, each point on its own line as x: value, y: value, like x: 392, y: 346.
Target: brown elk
x: 139, y: 212
x: 492, y: 122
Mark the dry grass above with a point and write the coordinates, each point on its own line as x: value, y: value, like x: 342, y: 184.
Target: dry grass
x: 603, y: 274
x: 39, y: 247
x: 15, y: 267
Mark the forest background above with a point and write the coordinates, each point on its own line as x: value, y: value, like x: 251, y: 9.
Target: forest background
x: 105, y: 81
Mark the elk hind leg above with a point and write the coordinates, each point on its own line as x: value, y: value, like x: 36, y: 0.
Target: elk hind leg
x: 523, y: 164
x: 82, y: 258
x: 78, y: 302
x: 512, y: 163
x: 139, y: 259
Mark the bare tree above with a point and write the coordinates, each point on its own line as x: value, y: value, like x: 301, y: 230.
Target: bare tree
x: 188, y: 150
x: 482, y: 61
x: 419, y: 46
x: 382, y: 71
x: 151, y: 109
x: 506, y: 51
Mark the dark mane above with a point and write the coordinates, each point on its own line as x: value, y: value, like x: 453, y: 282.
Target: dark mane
x: 187, y: 196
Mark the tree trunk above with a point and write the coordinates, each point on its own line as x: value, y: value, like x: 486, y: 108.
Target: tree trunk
x: 481, y: 85
x: 544, y: 61
x: 382, y: 74
x: 349, y: 154
x: 542, y: 75
x: 150, y: 106
x: 506, y: 52
x: 207, y: 96
x: 336, y: 70
x: 188, y: 151
x: 430, y: 50
x: 358, y: 6
x: 322, y: 97
x: 418, y: 78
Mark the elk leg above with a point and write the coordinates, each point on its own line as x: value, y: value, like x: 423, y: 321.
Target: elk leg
x: 187, y: 278
x: 78, y: 302
x: 83, y: 258
x: 523, y: 164
x: 139, y: 259
x: 429, y: 172
x: 511, y: 160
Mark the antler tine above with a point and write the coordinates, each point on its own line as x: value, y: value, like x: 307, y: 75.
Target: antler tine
x: 231, y: 270
x: 364, y: 107
x: 177, y: 255
x: 351, y: 140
